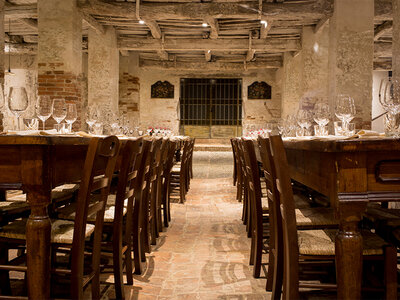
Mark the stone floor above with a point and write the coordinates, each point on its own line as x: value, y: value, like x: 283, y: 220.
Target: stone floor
x: 204, y: 253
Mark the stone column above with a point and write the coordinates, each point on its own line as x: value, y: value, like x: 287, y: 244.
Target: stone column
x: 2, y: 58
x: 351, y: 53
x: 396, y: 40
x: 60, y: 52
x: 103, y: 68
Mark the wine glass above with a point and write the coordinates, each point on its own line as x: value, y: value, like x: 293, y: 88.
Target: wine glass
x: 44, y: 109
x: 389, y: 95
x: 17, y: 101
x: 91, y: 116
x: 304, y: 119
x: 71, y: 116
x: 345, y: 109
x: 321, y: 116
x: 59, y: 110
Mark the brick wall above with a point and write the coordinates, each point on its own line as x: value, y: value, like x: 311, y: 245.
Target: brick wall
x: 129, y: 89
x: 56, y: 83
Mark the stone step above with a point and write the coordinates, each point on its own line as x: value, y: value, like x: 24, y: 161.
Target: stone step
x: 213, y: 142
x: 212, y: 147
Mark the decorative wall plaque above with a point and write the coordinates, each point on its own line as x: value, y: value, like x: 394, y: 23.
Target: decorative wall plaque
x: 259, y: 90
x: 162, y: 89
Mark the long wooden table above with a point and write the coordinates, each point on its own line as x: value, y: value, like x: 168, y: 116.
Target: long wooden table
x: 351, y: 173
x: 36, y: 164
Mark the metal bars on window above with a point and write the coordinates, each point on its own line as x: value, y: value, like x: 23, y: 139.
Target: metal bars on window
x: 207, y: 102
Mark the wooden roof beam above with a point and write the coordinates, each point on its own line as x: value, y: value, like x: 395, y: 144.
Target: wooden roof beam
x: 20, y: 11
x: 161, y: 11
x: 154, y: 28
x: 265, y: 28
x: 187, y: 44
x: 207, y: 55
x: 207, y: 66
x: 382, y: 29
x: 30, y: 22
x: 382, y: 49
x: 321, y: 24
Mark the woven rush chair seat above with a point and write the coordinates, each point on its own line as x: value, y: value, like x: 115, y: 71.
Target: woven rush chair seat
x: 69, y: 211
x: 61, y: 231
x: 7, y: 206
x: 322, y: 242
x: 315, y: 216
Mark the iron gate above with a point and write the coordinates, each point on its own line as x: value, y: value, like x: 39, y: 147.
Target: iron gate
x: 211, y: 107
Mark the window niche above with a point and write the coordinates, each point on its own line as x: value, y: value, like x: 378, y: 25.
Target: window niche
x: 162, y: 89
x: 259, y: 90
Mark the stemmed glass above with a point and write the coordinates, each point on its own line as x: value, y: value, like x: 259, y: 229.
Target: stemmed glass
x: 321, y: 116
x: 44, y: 109
x: 17, y: 101
x: 71, y: 116
x: 345, y: 110
x: 59, y: 111
x: 304, y: 119
x: 91, y: 116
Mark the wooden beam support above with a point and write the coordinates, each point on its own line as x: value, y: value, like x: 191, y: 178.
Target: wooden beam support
x: 382, y: 29
x: 382, y: 65
x: 250, y: 56
x: 92, y: 22
x: 214, y: 26
x: 21, y: 48
x: 269, y: 44
x: 29, y: 22
x: 154, y: 28
x: 382, y: 49
x: 124, y: 52
x: 321, y: 24
x: 208, y: 55
x: 207, y: 66
x: 265, y: 29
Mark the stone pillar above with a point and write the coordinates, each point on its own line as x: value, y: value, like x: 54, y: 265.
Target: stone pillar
x: 315, y: 47
x: 351, y: 53
x: 2, y: 65
x: 103, y: 68
x: 60, y: 52
x: 396, y: 40
x: 129, y: 87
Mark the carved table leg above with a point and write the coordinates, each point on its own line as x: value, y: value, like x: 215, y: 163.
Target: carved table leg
x: 38, y: 229
x: 348, y: 246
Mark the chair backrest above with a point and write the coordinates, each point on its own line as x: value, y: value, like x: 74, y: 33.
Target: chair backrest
x: 254, y: 185
x: 128, y: 175
x: 287, y: 210
x: 237, y: 160
x: 239, y: 144
x: 95, y: 183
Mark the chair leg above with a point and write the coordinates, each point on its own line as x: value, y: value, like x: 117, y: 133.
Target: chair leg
x: 5, y: 286
x: 257, y: 255
x: 390, y: 272
x: 166, y: 202
x: 117, y: 266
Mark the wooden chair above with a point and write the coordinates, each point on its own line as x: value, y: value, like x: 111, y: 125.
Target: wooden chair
x: 180, y: 172
x: 237, y: 170
x: 94, y: 188
x: 316, y: 246
x: 234, y: 175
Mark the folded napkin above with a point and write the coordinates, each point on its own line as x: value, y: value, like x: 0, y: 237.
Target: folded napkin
x: 34, y: 132
x: 363, y: 133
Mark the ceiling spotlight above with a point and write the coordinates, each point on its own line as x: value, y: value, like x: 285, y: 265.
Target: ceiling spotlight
x: 208, y: 51
x: 204, y: 24
x: 141, y: 22
x: 263, y: 22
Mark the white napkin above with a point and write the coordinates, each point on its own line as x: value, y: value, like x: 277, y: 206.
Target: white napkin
x: 34, y: 132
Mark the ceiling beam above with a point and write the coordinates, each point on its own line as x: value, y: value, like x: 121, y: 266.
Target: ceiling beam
x: 321, y: 24
x: 93, y: 23
x: 154, y: 28
x: 161, y: 11
x: 382, y: 65
x: 269, y: 44
x: 382, y: 49
x: 29, y: 22
x: 382, y: 29
x: 124, y: 52
x: 21, y: 48
x: 207, y: 66
x: 20, y: 11
x: 265, y: 29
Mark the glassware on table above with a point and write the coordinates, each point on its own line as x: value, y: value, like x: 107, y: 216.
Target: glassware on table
x: 304, y: 120
x: 44, y: 109
x: 92, y: 114
x: 321, y: 115
x: 341, y: 129
x: 72, y: 116
x: 59, y: 110
x: 17, y: 101
x: 345, y: 109
x: 98, y: 128
x: 389, y: 98
x: 31, y: 123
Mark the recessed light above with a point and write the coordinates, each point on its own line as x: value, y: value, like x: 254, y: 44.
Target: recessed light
x: 204, y: 24
x: 141, y: 22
